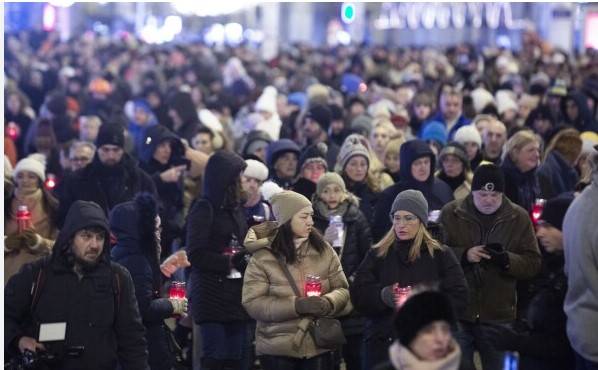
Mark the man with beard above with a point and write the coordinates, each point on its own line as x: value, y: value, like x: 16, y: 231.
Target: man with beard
x: 76, y: 305
x: 495, y: 242
x: 111, y: 178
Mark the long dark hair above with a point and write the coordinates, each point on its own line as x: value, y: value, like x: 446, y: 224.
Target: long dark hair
x: 283, y: 245
x: 233, y: 194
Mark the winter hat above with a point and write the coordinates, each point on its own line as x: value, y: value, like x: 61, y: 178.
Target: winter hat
x: 111, y: 134
x: 330, y: 178
x: 297, y: 98
x: 314, y: 153
x: 457, y: 150
x: 209, y: 119
x: 33, y: 163
x: 267, y: 101
x: 481, y: 98
x: 362, y: 124
x: 278, y: 148
x: 255, y: 140
x: 554, y: 211
x: 352, y: 147
x: 505, y: 101
x: 488, y: 177
x: 317, y: 94
x: 420, y: 310
x: 589, y: 139
x: 336, y: 112
x: 411, y: 201
x: 434, y: 130
x: 321, y: 114
x: 468, y: 134
x: 269, y: 189
x: 350, y: 83
x: 256, y: 170
x: 286, y: 204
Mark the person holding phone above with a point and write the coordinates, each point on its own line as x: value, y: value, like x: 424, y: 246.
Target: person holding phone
x: 494, y: 240
x: 162, y: 157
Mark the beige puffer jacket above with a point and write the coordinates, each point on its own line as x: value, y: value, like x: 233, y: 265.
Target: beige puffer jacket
x: 270, y: 300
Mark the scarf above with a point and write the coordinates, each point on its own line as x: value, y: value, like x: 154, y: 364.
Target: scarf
x: 403, y: 359
x: 323, y: 210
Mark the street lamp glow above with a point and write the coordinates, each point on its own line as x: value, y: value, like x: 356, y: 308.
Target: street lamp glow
x: 348, y: 13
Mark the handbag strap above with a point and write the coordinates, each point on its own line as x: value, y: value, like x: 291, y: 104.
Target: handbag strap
x: 288, y: 275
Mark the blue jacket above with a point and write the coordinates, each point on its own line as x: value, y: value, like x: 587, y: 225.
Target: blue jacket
x: 461, y: 121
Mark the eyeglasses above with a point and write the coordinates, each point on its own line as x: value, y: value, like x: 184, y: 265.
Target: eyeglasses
x: 406, y: 220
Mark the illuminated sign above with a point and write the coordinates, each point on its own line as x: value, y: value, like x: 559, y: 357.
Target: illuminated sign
x: 443, y: 15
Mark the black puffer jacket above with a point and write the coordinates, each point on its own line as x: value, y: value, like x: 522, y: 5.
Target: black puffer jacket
x: 106, y: 324
x: 376, y: 272
x: 358, y: 239
x: 436, y: 191
x: 133, y: 224
x: 210, y: 228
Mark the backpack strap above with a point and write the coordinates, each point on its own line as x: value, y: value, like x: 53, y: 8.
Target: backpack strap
x: 36, y: 287
x: 116, y: 289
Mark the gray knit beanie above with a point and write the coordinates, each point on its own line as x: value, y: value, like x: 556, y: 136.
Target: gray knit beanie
x: 351, y: 148
x: 286, y: 203
x: 411, y: 201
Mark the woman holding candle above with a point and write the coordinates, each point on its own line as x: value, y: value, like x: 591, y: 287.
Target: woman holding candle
x: 283, y: 339
x: 27, y: 240
x: 136, y: 225
x: 407, y: 256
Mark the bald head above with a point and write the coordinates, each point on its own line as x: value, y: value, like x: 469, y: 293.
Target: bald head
x: 494, y: 137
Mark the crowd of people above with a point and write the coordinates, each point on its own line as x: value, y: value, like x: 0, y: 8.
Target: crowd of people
x: 367, y: 207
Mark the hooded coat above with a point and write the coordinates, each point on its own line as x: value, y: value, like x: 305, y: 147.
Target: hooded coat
x: 270, y: 300
x: 182, y: 104
x: 137, y: 132
x: 523, y: 188
x: 105, y: 186
x: 104, y: 322
x: 133, y: 224
x: 211, y: 226
x: 584, y: 120
x: 436, y: 191
x: 170, y: 193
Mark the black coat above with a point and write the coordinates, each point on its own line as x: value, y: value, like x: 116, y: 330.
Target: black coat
x: 358, y: 239
x: 523, y: 188
x: 558, y: 173
x: 367, y: 198
x: 210, y: 228
x: 170, y: 193
x: 105, y: 186
x: 436, y: 191
x: 133, y: 251
x: 375, y: 273
x: 108, y: 326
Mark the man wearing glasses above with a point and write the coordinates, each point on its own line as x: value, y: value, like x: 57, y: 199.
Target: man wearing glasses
x: 495, y: 242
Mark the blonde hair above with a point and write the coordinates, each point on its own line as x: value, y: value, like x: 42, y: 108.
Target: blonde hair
x: 422, y: 237
x: 394, y: 144
x: 518, y: 141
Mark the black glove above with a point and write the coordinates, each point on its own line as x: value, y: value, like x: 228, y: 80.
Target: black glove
x: 316, y: 306
x: 503, y: 338
x: 240, y: 260
x: 387, y: 294
x: 500, y: 257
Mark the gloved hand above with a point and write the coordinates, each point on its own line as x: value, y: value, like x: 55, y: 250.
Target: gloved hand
x: 12, y: 242
x: 30, y: 238
x: 498, y: 256
x: 387, y: 294
x: 503, y: 338
x: 179, y: 305
x: 316, y: 306
x: 240, y: 260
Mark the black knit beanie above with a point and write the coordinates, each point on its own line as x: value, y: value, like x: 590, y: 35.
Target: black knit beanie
x: 421, y: 310
x: 488, y: 177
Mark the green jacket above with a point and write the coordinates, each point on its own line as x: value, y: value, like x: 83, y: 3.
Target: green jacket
x: 270, y: 300
x: 492, y: 291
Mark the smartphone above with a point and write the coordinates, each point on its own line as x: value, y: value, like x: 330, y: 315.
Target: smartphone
x: 494, y: 248
x: 511, y: 361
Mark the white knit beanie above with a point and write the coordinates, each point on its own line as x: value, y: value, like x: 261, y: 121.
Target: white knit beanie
x: 34, y: 163
x: 481, y: 98
x: 505, y: 101
x: 351, y: 148
x: 256, y: 169
x: 267, y: 101
x: 468, y: 134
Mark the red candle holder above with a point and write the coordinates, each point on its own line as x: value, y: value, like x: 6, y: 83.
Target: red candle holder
x: 537, y: 210
x: 313, y: 286
x: 23, y: 218
x: 177, y: 290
